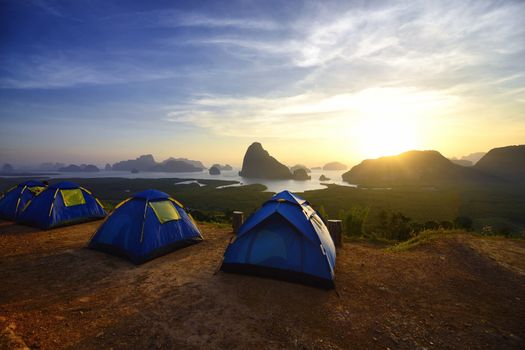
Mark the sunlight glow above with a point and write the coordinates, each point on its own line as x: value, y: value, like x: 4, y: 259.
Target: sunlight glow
x: 379, y: 137
x: 392, y: 121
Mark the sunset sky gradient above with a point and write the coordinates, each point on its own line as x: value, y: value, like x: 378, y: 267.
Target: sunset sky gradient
x: 101, y: 81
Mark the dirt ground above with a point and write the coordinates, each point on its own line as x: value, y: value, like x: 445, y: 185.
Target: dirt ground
x: 458, y: 292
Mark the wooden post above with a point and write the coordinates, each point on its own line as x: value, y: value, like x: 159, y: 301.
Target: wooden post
x: 237, y: 220
x: 335, y: 227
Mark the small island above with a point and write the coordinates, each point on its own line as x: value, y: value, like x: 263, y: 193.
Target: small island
x: 226, y: 167
x: 7, y: 168
x: 171, y: 165
x: 335, y: 166
x: 300, y: 166
x: 215, y: 170
x: 301, y: 175
x: 86, y: 168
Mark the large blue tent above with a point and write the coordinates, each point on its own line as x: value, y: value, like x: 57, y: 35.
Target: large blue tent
x: 285, y: 239
x: 147, y: 225
x: 60, y: 204
x: 16, y: 198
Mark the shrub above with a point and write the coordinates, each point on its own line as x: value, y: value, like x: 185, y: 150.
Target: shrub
x: 354, y: 221
x: 322, y: 213
x: 446, y: 225
x: 400, y: 227
x: 431, y: 225
x: 463, y: 222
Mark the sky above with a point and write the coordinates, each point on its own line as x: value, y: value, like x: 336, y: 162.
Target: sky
x: 314, y: 81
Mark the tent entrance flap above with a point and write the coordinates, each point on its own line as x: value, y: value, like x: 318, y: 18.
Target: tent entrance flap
x: 165, y: 211
x: 73, y: 197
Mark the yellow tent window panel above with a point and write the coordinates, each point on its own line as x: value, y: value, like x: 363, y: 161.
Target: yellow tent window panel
x: 73, y: 197
x: 165, y: 211
x: 36, y: 189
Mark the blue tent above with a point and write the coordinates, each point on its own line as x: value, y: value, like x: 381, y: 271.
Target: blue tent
x: 147, y: 225
x: 60, y: 204
x: 284, y: 239
x: 15, y: 199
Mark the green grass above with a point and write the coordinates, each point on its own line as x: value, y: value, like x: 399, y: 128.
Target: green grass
x: 420, y: 205
x: 501, y: 207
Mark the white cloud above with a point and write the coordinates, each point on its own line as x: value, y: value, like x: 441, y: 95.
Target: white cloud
x: 418, y: 37
x: 59, y: 71
x: 181, y: 19
x: 309, y: 114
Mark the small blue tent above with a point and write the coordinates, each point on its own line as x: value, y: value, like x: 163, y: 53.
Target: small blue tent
x: 284, y: 239
x: 145, y: 226
x: 15, y: 199
x: 60, y: 204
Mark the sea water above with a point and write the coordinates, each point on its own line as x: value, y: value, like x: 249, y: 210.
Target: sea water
x: 231, y: 175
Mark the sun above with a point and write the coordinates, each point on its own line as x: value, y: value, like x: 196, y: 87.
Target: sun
x: 377, y: 137
x: 389, y: 121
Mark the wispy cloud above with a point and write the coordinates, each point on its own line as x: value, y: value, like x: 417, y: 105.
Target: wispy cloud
x: 416, y: 36
x: 308, y: 114
x: 63, y: 71
x: 398, y: 43
x: 185, y: 19
x: 52, y: 8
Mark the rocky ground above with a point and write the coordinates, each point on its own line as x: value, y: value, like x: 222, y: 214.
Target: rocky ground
x: 455, y: 292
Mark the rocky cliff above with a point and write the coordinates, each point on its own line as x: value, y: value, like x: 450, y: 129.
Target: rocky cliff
x: 258, y: 163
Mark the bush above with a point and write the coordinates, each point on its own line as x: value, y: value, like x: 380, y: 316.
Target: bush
x: 463, y: 222
x: 446, y: 225
x: 400, y: 227
x: 209, y: 216
x: 431, y: 225
x: 395, y: 226
x: 354, y: 221
x: 322, y: 213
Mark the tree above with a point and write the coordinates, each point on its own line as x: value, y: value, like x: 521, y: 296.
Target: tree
x: 446, y: 225
x: 382, y: 222
x: 400, y: 227
x: 355, y: 220
x: 322, y: 213
x: 463, y: 222
x: 431, y: 225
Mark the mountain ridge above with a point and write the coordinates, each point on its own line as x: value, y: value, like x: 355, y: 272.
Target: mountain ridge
x: 426, y: 168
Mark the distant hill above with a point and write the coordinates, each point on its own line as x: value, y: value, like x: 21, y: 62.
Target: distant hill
x: 505, y: 162
x: 195, y: 163
x: 335, y: 166
x: 301, y: 175
x: 72, y: 168
x: 175, y: 166
x: 7, y: 168
x: 474, y: 157
x: 414, y: 168
x: 258, y: 163
x: 142, y: 163
x: 49, y: 166
x: 299, y: 166
x: 214, y: 170
x: 462, y: 162
x: 146, y: 163
x: 226, y: 167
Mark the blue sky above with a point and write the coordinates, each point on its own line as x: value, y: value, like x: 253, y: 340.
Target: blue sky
x: 100, y: 81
